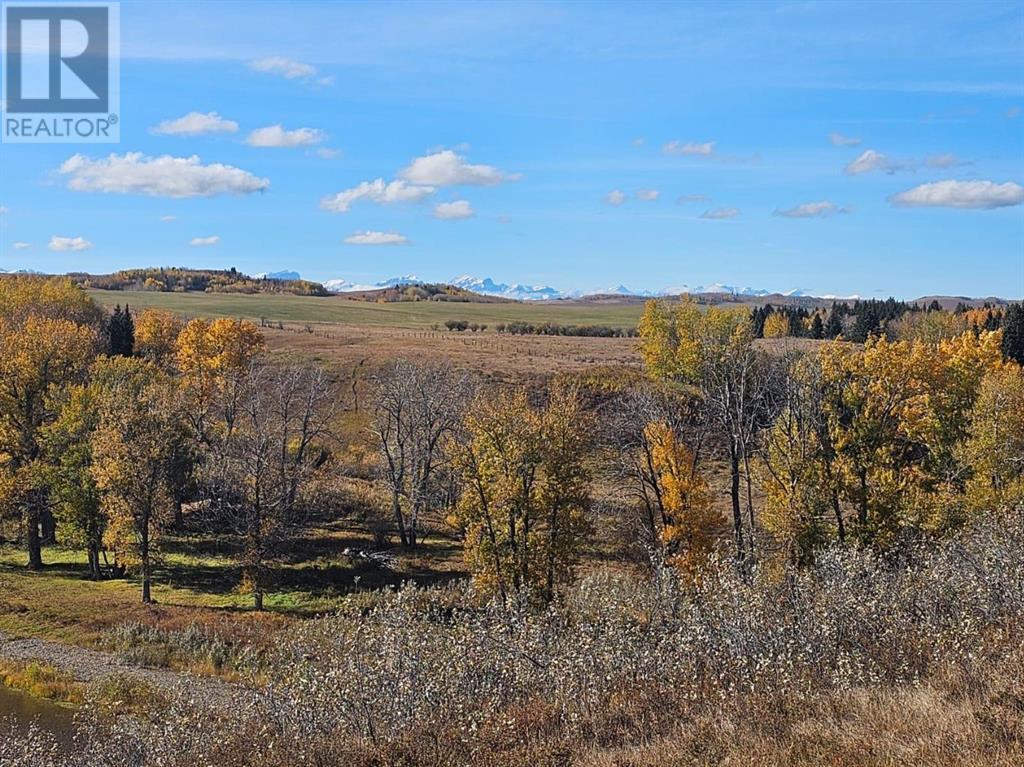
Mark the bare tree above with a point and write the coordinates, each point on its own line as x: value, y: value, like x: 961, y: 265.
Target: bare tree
x: 270, y: 453
x: 736, y: 381
x: 417, y: 407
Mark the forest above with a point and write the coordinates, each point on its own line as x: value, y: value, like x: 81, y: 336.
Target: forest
x: 788, y: 532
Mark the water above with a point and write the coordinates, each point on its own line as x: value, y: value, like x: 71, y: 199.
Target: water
x: 24, y: 709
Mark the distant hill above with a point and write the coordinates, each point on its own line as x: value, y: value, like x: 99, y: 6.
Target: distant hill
x: 422, y: 292
x: 185, y: 280
x: 951, y: 302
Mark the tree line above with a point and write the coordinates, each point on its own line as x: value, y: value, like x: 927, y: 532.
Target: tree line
x: 181, y: 279
x: 112, y: 424
x: 109, y: 425
x: 868, y: 445
x: 897, y: 320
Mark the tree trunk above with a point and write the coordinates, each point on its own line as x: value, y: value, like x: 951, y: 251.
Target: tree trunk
x: 862, y: 505
x: 839, y: 517
x: 144, y: 552
x: 396, y: 507
x: 35, y: 547
x: 257, y: 598
x: 737, y: 510
x: 48, y: 526
x: 94, y: 562
x: 750, y: 501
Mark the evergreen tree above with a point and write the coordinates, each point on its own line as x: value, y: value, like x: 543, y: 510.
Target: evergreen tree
x: 1013, y: 333
x: 120, y: 333
x: 817, y: 327
x: 834, y: 326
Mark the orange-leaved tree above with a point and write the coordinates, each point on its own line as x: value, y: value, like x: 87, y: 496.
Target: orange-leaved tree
x: 688, y: 520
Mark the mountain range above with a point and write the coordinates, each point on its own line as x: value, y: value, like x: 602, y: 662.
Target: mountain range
x: 524, y: 292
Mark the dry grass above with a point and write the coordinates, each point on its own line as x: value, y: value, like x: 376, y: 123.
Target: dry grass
x: 954, y: 718
x: 40, y: 680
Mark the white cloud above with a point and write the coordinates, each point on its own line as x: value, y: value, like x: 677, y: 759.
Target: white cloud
x: 279, y: 65
x: 870, y: 160
x: 977, y: 195
x: 944, y: 160
x: 720, y: 213
x: 195, y: 124
x: 22, y: 245
x: 62, y: 244
x: 3, y: 210
x: 377, y: 238
x: 446, y: 168
x: 326, y: 153
x: 822, y: 209
x: 838, y: 139
x: 678, y: 148
x: 639, y: 141
x: 377, y: 191
x: 277, y: 136
x: 648, y: 195
x: 453, y: 210
x: 685, y: 198
x: 1013, y: 112
x: 202, y: 242
x: 165, y: 176
x: 168, y: 219
x: 615, y: 197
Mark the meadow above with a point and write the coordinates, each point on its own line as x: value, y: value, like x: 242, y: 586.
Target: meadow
x: 339, y: 309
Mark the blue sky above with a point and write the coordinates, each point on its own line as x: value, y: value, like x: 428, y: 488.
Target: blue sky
x: 837, y: 147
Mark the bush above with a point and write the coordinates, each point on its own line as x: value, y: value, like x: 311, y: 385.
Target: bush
x: 40, y: 680
x: 195, y: 647
x: 760, y: 670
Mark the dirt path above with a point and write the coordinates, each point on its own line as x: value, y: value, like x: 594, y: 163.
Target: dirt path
x: 92, y: 665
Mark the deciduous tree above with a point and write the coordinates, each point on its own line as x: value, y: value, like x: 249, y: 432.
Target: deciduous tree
x: 523, y: 502
x: 39, y: 355
x: 417, y: 409
x: 262, y: 465
x: 132, y: 446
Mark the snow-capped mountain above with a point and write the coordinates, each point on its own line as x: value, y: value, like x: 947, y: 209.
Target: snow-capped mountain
x: 620, y: 290
x: 344, y: 286
x: 719, y: 287
x: 282, y: 276
x: 519, y: 292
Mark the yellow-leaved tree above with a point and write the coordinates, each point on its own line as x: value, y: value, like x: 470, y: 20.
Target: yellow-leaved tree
x: 39, y: 356
x: 524, y: 492
x: 776, y: 325
x: 995, y: 450
x: 138, y: 433
x: 713, y: 351
x: 896, y: 412
x: 797, y: 468
x: 212, y: 357
x: 156, y: 336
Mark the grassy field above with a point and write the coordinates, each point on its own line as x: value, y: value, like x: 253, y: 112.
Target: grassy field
x: 338, y: 309
x: 197, y: 581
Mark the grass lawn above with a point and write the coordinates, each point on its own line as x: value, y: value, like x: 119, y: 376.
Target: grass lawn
x: 338, y: 309
x: 198, y: 582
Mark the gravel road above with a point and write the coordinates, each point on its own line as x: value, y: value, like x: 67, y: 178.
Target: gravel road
x: 92, y: 665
